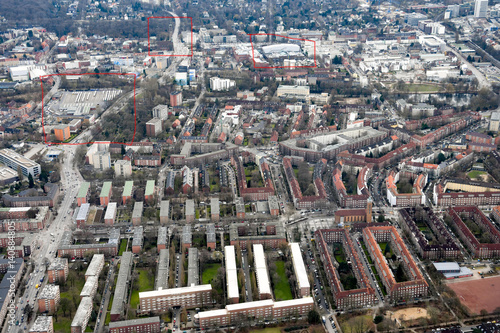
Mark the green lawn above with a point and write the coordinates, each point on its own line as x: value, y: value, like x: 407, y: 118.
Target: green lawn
x: 145, y: 283
x: 267, y: 330
x: 475, y: 174
x: 123, y: 247
x: 349, y: 325
x: 63, y: 324
x: 209, y: 273
x: 282, y: 289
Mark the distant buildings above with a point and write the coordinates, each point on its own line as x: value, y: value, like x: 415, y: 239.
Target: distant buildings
x: 481, y: 8
x: 272, y: 235
x: 218, y: 84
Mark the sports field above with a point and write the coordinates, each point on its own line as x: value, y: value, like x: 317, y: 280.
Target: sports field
x: 478, y: 294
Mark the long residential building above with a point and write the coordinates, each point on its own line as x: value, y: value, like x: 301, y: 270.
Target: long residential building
x: 82, y: 315
x: 120, y: 296
x: 140, y: 325
x: 487, y: 247
x: 233, y: 294
x: 364, y: 295
x: 160, y: 301
x: 303, y: 286
x: 416, y: 286
x: 466, y: 193
x: 162, y: 271
x: 260, y: 311
x: 417, y: 197
x: 444, y: 245
x: 272, y: 235
x: 328, y: 145
x: 357, y: 200
x: 261, y: 274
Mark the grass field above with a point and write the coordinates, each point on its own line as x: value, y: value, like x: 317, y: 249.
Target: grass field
x: 357, y: 324
x: 63, y: 324
x: 123, y: 247
x: 267, y: 330
x: 282, y: 289
x: 415, y: 87
x: 475, y: 174
x: 145, y: 283
x: 209, y: 273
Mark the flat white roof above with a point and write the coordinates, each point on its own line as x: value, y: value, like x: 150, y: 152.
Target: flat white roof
x: 212, y: 313
x: 231, y: 272
x: 249, y: 305
x: 261, y: 269
x: 110, y: 211
x: 83, y: 212
x: 299, y: 267
x: 95, y: 265
x: 175, y: 291
x: 291, y: 302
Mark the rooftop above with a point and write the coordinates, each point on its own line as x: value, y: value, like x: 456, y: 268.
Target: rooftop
x: 50, y: 291
x: 164, y: 208
x: 299, y: 267
x: 132, y: 322
x: 138, y: 208
x: 82, y: 313
x: 150, y: 187
x: 175, y: 291
x: 95, y: 265
x: 110, y: 211
x: 19, y: 159
x: 42, y: 324
x: 127, y: 189
x: 119, y: 297
x: 84, y: 189
x: 106, y: 189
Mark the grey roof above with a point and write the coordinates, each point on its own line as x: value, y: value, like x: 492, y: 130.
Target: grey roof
x: 95, y: 265
x: 162, y: 235
x: 186, y: 234
x: 164, y: 208
x: 162, y: 274
x: 193, y: 267
x: 120, y: 297
x: 215, y: 205
x: 210, y: 231
x: 170, y: 181
x: 189, y: 207
x: 114, y: 236
x: 42, y: 324
x: 58, y: 264
x: 82, y: 313
x: 495, y: 116
x: 446, y: 266
x: 138, y: 236
x: 273, y: 202
x: 50, y: 291
x: 240, y: 205
x: 138, y: 208
x: 83, y: 212
x: 133, y: 322
x: 90, y: 286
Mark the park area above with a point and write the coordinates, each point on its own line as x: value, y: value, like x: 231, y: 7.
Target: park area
x: 478, y: 175
x: 477, y: 295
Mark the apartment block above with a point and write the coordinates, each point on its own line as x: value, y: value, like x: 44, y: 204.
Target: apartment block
x: 127, y: 192
x: 300, y: 270
x: 141, y: 325
x: 105, y: 195
x: 110, y: 216
x: 49, y: 298
x: 58, y: 270
x: 82, y: 316
x: 164, y: 211
x: 43, y: 324
x: 161, y: 242
x: 159, y: 301
x: 95, y: 267
x: 261, y: 274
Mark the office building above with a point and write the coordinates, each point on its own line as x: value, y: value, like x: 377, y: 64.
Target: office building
x: 62, y: 132
x: 16, y: 161
x: 481, y: 8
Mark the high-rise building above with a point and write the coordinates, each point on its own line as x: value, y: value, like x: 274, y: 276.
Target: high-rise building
x: 481, y: 8
x: 175, y: 98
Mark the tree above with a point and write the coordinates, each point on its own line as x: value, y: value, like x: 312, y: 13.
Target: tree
x: 441, y: 158
x: 381, y: 218
x: 313, y: 317
x: 19, y: 173
x: 64, y: 305
x: 30, y: 180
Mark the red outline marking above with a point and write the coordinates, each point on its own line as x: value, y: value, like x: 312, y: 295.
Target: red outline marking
x: 86, y: 143
x: 171, y: 55
x: 291, y: 67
